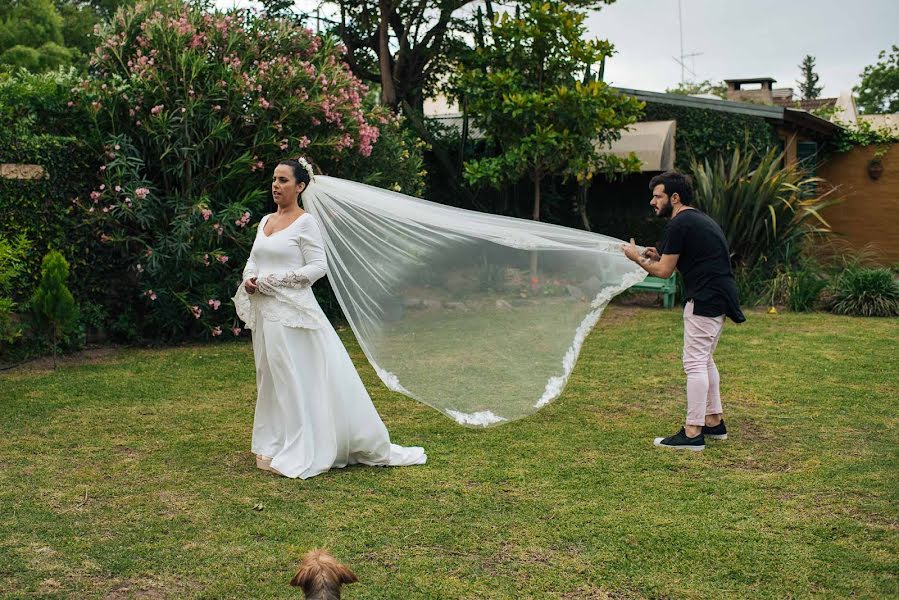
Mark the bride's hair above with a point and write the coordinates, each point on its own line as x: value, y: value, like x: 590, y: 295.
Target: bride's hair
x: 302, y: 169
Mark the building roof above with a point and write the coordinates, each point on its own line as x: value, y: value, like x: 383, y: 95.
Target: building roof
x: 746, y: 108
x: 779, y: 114
x: 813, y: 104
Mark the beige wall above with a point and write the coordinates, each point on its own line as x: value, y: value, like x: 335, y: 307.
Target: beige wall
x: 870, y: 211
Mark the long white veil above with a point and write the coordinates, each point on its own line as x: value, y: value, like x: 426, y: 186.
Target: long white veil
x: 447, y: 305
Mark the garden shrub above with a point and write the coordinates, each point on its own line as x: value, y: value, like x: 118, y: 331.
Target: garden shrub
x: 865, y: 292
x: 197, y: 108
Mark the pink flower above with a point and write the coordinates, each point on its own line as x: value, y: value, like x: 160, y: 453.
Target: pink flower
x: 217, y: 108
x: 316, y: 121
x: 139, y: 268
x: 223, y: 259
x: 206, y: 259
x: 235, y: 330
x: 218, y: 229
x: 206, y: 214
x: 105, y: 238
x: 102, y: 168
x: 157, y: 109
x: 304, y: 142
x: 283, y: 144
x: 70, y: 104
x: 95, y: 195
x: 118, y: 188
x: 141, y: 193
x: 150, y: 294
x: 243, y: 221
x: 264, y: 103
x: 197, y: 311
x: 216, y: 331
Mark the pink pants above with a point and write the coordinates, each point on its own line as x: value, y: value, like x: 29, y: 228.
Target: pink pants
x: 701, y: 336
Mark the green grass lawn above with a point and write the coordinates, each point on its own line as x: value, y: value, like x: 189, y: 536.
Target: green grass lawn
x: 131, y: 476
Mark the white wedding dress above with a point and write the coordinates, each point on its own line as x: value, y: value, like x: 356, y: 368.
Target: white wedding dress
x: 312, y: 411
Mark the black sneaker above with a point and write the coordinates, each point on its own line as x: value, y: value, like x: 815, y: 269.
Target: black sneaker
x: 718, y: 432
x: 680, y: 441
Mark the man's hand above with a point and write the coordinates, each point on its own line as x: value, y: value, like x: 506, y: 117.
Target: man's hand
x: 630, y: 251
x: 652, y: 254
x: 250, y: 285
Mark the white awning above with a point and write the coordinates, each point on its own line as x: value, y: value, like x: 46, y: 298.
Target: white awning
x: 651, y: 141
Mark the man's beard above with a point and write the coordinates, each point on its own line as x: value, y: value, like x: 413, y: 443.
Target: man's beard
x: 666, y: 211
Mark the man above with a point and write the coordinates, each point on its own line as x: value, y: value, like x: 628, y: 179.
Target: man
x: 696, y: 246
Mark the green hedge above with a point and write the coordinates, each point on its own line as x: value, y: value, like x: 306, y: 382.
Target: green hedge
x: 43, y: 209
x: 705, y: 133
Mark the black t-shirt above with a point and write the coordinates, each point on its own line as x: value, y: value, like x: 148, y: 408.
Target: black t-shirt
x: 704, y: 262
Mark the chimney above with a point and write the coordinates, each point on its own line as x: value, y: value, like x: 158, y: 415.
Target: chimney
x: 756, y: 91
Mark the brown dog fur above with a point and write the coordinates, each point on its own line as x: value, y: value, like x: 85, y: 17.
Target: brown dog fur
x: 320, y: 576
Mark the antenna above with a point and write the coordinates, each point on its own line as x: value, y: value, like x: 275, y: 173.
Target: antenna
x: 683, y: 57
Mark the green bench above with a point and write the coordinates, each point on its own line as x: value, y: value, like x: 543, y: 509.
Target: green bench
x: 666, y: 287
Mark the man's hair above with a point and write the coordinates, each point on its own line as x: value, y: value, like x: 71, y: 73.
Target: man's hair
x: 675, y: 183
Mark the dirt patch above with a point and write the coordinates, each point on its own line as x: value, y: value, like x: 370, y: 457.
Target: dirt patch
x: 88, y: 356
x: 615, y: 315
x: 49, y: 586
x: 130, y: 590
x: 749, y: 430
x: 127, y: 452
x: 595, y: 593
x: 149, y: 589
x: 501, y: 557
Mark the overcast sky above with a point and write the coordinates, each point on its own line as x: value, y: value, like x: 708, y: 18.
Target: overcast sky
x: 738, y: 39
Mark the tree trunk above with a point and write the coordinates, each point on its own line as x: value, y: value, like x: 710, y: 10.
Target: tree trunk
x: 536, y: 216
x: 388, y: 89
x: 582, y: 206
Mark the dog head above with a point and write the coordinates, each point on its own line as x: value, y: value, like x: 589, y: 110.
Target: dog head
x: 320, y: 576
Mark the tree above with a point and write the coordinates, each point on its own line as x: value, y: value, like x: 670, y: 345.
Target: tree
x: 278, y: 8
x: 878, y: 91
x: 530, y: 89
x: 53, y: 305
x: 809, y: 87
x: 31, y: 36
x: 698, y: 88
x: 42, y: 35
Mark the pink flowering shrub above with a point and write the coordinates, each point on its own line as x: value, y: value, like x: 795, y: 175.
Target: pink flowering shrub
x: 197, y: 107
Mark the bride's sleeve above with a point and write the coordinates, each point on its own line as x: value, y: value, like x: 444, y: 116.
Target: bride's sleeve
x: 313, y: 249
x: 251, y: 270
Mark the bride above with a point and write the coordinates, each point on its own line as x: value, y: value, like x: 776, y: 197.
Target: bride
x: 312, y: 411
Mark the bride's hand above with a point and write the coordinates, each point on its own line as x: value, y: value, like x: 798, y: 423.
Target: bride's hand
x: 250, y: 285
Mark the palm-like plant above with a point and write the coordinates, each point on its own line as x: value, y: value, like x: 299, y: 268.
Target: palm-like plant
x: 760, y: 205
